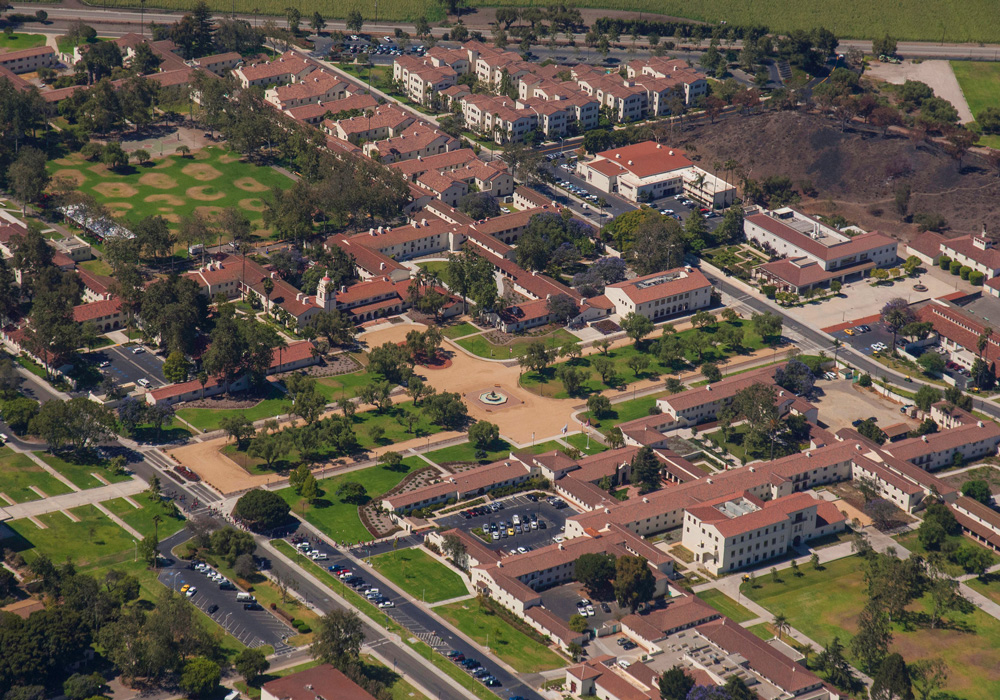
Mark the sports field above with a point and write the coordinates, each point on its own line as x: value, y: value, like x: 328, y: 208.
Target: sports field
x: 208, y: 181
x: 932, y: 20
x: 980, y: 82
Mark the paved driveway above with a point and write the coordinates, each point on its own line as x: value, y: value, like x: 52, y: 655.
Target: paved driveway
x: 128, y: 367
x: 553, y: 518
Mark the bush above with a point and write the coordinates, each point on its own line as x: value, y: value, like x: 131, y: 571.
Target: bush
x: 964, y: 272
x: 865, y: 380
x: 976, y: 278
x: 955, y: 267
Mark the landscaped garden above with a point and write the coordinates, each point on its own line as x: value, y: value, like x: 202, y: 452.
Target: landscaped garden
x: 509, y: 644
x: 339, y: 519
x: 275, y: 403
x: 688, y: 349
x: 18, y: 473
x: 420, y: 575
x: 823, y: 604
x: 207, y: 181
x: 588, y: 446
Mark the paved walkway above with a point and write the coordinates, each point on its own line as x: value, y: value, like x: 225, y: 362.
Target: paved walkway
x: 76, y: 499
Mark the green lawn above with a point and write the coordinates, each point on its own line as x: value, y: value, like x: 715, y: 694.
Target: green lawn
x: 911, y: 541
x: 436, y: 266
x: 546, y: 382
x: 18, y: 473
x: 466, y: 452
x: 80, y: 472
x: 340, y: 520
x: 141, y: 519
x: 540, y: 447
x: 762, y: 630
x: 207, y: 419
x: 580, y: 442
x: 509, y: 644
x: 823, y: 604
x: 980, y: 83
x: 67, y: 45
x: 417, y: 573
x: 85, y: 542
x: 726, y: 605
x: 626, y: 411
x: 212, y: 179
x: 16, y: 42
x: 333, y: 388
x: 459, y: 331
x: 479, y: 345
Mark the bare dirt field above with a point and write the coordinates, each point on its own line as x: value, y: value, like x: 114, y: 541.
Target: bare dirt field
x: 216, y: 468
x: 840, y: 403
x: 855, y: 173
x: 937, y: 74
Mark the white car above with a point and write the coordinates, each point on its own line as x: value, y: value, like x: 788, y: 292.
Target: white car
x: 104, y: 364
x: 138, y: 350
x: 590, y: 611
x: 505, y: 210
x: 386, y: 604
x: 522, y: 550
x: 191, y: 591
x: 3, y: 438
x: 303, y: 546
x: 143, y: 382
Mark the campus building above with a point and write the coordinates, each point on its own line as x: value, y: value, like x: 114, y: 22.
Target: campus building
x: 662, y: 294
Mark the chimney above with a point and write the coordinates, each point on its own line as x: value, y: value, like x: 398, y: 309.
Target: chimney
x: 423, y: 222
x: 809, y: 454
x: 298, y: 297
x: 645, y: 500
x: 658, y: 146
x: 371, y: 232
x: 979, y: 423
x: 499, y: 564
x: 857, y: 446
x: 752, y: 469
x: 274, y: 275
x: 561, y: 546
x: 381, y: 266
x: 670, y: 153
x: 924, y: 438
x: 708, y: 387
x: 630, y: 162
x: 607, y: 511
x: 343, y: 288
x: 709, y: 480
x: 380, y: 230
x: 618, y: 156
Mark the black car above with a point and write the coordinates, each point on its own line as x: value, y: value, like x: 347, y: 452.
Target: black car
x: 252, y: 606
x: 533, y: 498
x: 605, y: 607
x: 491, y: 682
x: 212, y: 608
x: 453, y: 654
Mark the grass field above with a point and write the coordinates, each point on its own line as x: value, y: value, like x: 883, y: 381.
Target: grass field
x: 932, y: 20
x: 980, y: 83
x: 141, y: 519
x: 209, y: 181
x: 80, y: 472
x: 340, y: 520
x: 509, y: 644
x: 16, y: 42
x: 466, y: 452
x: 824, y: 604
x: 580, y: 442
x: 479, y: 345
x: 18, y: 474
x: 459, y: 331
x: 333, y: 388
x: 546, y: 383
x: 417, y: 573
x: 86, y: 542
x: 625, y: 411
x: 726, y: 605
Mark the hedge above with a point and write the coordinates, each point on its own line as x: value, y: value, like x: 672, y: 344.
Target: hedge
x: 955, y: 267
x: 976, y: 278
x: 944, y: 262
x: 964, y: 272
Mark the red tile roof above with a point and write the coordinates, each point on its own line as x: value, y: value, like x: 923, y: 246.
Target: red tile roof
x: 319, y: 683
x: 648, y: 158
x: 853, y: 246
x: 681, y: 280
x: 97, y: 309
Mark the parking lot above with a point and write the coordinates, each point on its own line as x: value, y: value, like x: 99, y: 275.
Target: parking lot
x: 253, y: 628
x: 562, y: 601
x: 128, y: 367
x: 551, y: 521
x: 863, y: 341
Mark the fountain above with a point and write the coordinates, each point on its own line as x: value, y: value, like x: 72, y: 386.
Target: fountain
x: 493, y: 398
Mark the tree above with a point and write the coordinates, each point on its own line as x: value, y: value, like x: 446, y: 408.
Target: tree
x: 615, y: 438
x: 646, y: 470
x: 795, y: 376
x: 261, y: 510
x: 595, y: 571
x: 176, y: 367
x: 928, y: 676
x: 352, y: 492
x: 77, y: 424
x: 536, y: 356
x: 634, y: 582
x: 238, y: 427
x: 636, y: 326
x: 895, y: 315
x: 446, y: 410
x: 338, y: 638
x: 598, y: 405
x: 455, y: 549
x: 886, y: 46
x: 479, y: 205
x: 27, y: 175
x: 832, y: 662
x: 355, y: 21
x: 979, y: 490
x: 483, y: 434
x: 562, y: 308
x: 926, y: 397
x: 780, y: 623
x: 675, y: 684
x: 251, y: 664
x: 573, y: 378
x: 200, y: 677
x: 711, y: 372
x: 871, y: 644
x: 80, y: 686
x: 870, y: 430
x: 892, y: 681
x: 768, y: 326
x: 931, y: 363
x: 577, y: 623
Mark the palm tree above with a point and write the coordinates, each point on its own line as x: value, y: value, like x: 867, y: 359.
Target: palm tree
x: 780, y: 625
x: 268, y: 288
x: 203, y: 380
x: 984, y: 340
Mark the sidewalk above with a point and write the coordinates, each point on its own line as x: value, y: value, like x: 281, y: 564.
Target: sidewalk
x: 76, y: 499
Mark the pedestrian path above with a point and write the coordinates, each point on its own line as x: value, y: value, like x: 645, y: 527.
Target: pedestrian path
x: 73, y: 500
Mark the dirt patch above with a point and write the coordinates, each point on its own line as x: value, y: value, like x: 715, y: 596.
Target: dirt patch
x: 74, y: 159
x: 158, y: 181
x: 76, y: 176
x: 205, y: 193
x: 855, y: 172
x: 170, y: 216
x: 170, y: 199
x: 201, y: 172
x: 116, y: 189
x: 248, y: 184
x: 118, y: 208
x: 164, y: 163
x: 208, y: 212
x: 216, y: 469
x: 937, y: 74
x: 252, y: 204
x: 99, y: 169
x: 229, y: 158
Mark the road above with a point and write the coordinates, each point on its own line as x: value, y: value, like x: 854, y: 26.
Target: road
x: 118, y: 20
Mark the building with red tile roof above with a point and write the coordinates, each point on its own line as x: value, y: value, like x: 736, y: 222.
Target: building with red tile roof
x: 323, y: 682
x: 662, y: 294
x: 288, y: 67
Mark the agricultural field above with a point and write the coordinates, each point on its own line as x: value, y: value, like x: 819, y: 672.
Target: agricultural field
x: 420, y: 575
x: 980, y: 83
x: 18, y: 473
x: 826, y: 603
x: 932, y: 20
x: 207, y: 182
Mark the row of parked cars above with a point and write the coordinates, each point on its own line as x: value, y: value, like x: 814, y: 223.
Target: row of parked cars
x: 357, y: 583
x: 482, y: 510
x: 308, y: 551
x: 475, y: 669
